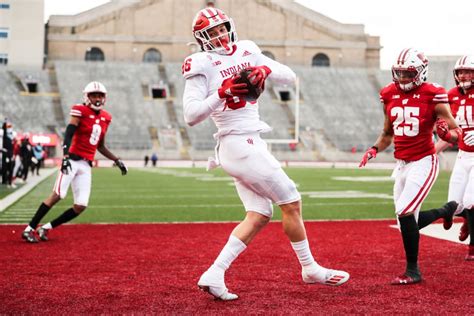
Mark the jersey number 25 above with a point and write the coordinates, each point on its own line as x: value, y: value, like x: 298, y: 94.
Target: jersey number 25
x: 408, y: 116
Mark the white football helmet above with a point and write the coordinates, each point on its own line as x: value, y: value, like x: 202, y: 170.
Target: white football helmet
x: 413, y: 64
x: 205, y: 20
x: 464, y: 63
x: 91, y: 87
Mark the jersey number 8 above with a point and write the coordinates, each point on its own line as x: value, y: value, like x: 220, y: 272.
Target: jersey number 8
x: 95, y: 135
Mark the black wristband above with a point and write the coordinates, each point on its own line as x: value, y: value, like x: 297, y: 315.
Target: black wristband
x: 376, y: 148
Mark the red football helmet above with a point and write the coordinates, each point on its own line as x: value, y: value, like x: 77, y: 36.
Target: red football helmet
x: 466, y: 80
x: 207, y: 19
x: 410, y: 70
x: 92, y: 87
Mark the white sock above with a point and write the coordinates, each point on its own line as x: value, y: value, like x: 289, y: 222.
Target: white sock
x: 47, y: 226
x: 303, y: 253
x: 28, y: 228
x: 229, y: 253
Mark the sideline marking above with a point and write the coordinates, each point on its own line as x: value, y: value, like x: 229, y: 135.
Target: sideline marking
x: 437, y: 231
x: 30, y: 185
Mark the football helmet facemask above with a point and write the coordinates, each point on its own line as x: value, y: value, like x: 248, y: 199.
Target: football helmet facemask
x: 94, y: 87
x: 207, y: 19
x: 464, y: 63
x: 410, y: 69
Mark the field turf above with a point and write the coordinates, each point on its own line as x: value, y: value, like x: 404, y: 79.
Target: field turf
x: 192, y: 194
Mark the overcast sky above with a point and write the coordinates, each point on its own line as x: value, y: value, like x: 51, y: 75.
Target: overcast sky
x: 437, y: 28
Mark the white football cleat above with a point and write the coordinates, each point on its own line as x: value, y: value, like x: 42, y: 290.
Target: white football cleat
x: 212, y: 281
x: 324, y: 276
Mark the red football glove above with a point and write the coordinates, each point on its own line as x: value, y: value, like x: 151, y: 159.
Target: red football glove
x: 258, y: 75
x: 230, y: 89
x: 369, y: 154
x: 442, y: 129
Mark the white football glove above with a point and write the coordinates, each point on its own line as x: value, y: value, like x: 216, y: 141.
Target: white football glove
x: 469, y: 138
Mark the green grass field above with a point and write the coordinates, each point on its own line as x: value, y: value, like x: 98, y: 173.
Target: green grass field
x: 169, y: 195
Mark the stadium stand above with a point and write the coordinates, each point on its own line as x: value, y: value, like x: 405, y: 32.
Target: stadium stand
x: 339, y: 107
x: 24, y: 108
x: 342, y: 102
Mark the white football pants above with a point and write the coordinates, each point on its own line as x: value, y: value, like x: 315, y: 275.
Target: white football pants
x: 258, y: 176
x: 80, y: 180
x: 413, y: 182
x: 461, y: 183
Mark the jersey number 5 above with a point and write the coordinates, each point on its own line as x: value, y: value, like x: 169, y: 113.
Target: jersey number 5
x: 95, y: 135
x: 408, y: 116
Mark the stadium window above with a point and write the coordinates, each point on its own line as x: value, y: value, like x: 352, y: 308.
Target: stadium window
x: 94, y: 54
x: 268, y: 54
x: 31, y: 84
x: 285, y: 95
x: 3, y: 59
x: 158, y: 91
x: 4, y: 6
x: 152, y: 55
x: 4, y: 32
x: 320, y: 60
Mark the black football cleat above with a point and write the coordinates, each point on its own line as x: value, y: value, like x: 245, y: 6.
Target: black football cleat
x: 29, y: 236
x: 43, y: 234
x: 450, y: 208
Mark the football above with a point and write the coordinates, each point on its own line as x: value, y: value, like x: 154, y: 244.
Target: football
x: 254, y: 91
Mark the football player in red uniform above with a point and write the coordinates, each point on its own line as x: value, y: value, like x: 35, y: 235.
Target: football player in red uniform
x: 412, y: 108
x: 84, y: 135
x: 213, y: 91
x: 461, y: 183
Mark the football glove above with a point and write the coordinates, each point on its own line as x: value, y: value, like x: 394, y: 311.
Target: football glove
x: 119, y: 163
x: 66, y: 165
x: 258, y: 75
x: 230, y: 88
x: 369, y: 154
x: 469, y: 138
x: 442, y: 129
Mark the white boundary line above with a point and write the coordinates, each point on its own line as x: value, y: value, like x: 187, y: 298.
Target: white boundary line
x: 31, y: 183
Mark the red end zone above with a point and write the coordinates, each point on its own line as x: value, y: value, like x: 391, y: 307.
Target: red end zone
x: 153, y: 268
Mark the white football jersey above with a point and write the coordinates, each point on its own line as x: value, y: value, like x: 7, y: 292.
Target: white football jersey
x: 204, y: 73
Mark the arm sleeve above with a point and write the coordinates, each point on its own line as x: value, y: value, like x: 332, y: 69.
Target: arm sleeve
x: 196, y: 105
x: 280, y: 73
x: 70, y: 130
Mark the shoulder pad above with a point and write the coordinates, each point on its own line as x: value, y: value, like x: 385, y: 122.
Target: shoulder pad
x: 196, y: 64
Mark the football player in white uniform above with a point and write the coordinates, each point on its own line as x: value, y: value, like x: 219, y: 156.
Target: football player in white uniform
x: 461, y: 183
x: 211, y: 90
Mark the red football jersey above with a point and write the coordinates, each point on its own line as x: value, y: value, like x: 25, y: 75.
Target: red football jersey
x: 90, y: 131
x: 413, y: 117
x: 462, y: 107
